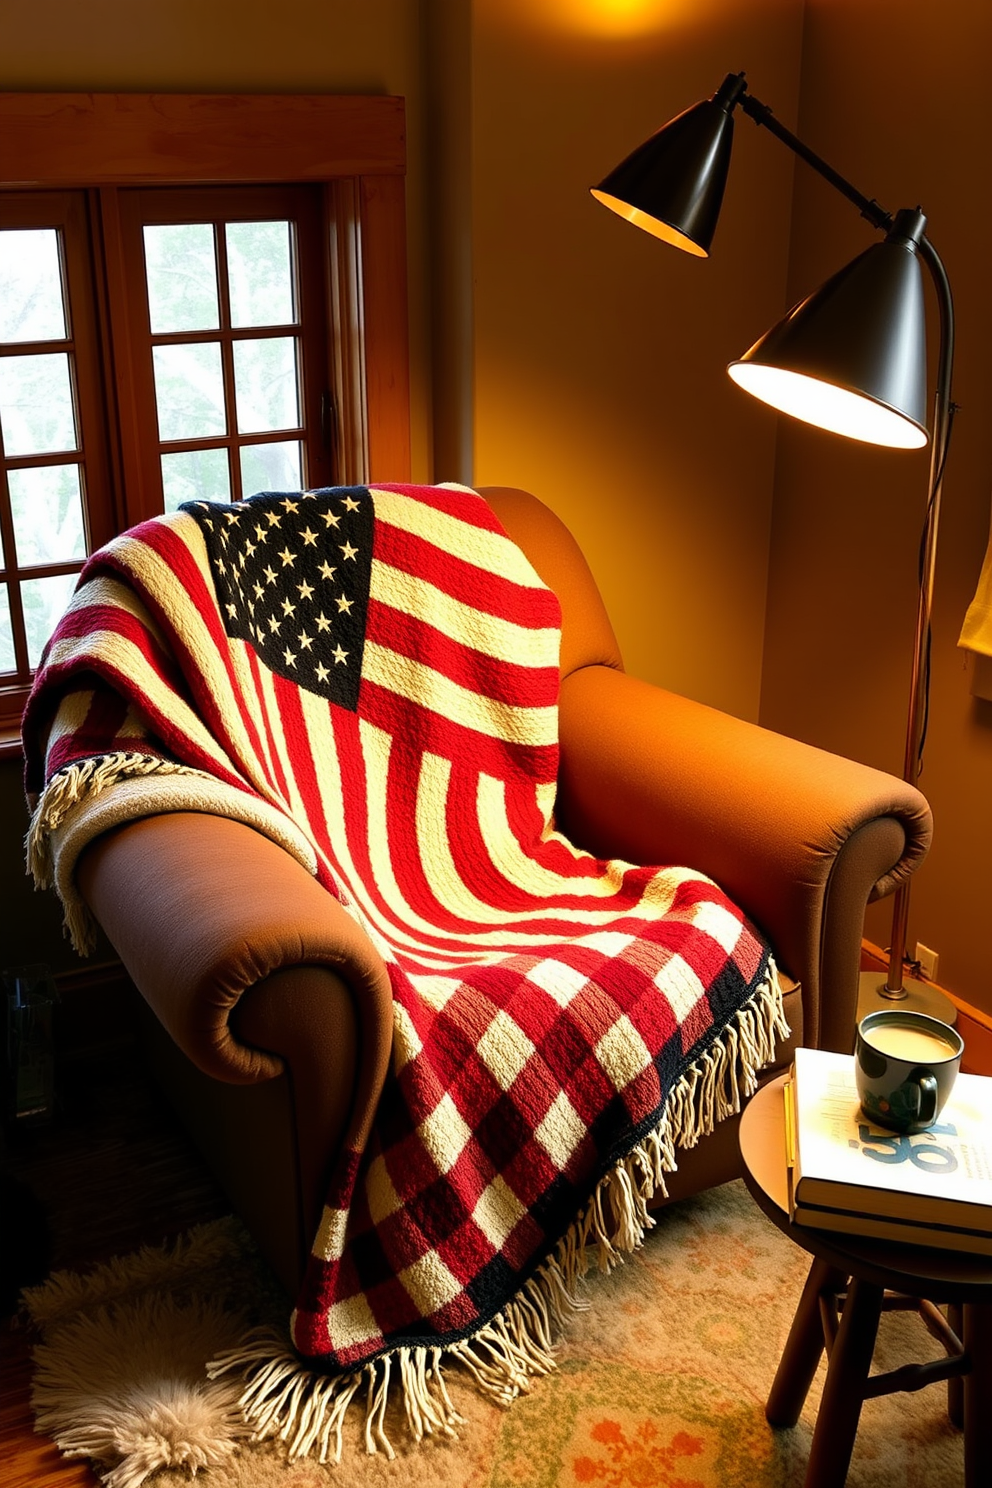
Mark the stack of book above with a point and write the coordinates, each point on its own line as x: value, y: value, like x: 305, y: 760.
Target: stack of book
x: 929, y: 1188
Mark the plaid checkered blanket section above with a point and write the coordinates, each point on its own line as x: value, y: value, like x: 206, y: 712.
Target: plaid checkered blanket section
x: 370, y: 676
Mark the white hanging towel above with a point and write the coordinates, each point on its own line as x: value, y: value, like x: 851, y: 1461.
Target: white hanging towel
x: 976, y: 632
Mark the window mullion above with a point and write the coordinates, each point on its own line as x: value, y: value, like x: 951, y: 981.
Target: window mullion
x: 227, y: 362
x: 134, y: 391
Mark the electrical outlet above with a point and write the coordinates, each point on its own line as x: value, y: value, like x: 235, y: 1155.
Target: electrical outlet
x: 928, y: 961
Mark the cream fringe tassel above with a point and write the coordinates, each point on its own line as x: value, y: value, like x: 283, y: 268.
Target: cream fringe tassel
x: 305, y: 1409
x: 66, y: 789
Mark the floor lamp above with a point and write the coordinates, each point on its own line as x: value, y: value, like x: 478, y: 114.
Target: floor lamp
x: 851, y: 358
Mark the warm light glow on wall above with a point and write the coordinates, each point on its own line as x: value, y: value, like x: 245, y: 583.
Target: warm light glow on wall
x: 603, y: 18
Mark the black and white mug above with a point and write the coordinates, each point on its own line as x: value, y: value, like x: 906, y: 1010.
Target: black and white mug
x: 905, y: 1065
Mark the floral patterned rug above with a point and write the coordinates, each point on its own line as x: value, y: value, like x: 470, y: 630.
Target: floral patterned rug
x: 661, y: 1380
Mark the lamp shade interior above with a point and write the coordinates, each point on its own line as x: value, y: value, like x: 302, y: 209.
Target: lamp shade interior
x: 838, y: 409
x: 649, y: 224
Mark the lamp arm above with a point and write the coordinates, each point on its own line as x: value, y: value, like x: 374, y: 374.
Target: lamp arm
x: 762, y: 114
x: 916, y: 722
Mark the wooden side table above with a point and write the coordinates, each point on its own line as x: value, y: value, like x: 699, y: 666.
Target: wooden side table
x: 858, y: 1279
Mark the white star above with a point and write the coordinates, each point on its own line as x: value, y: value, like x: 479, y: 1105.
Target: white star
x: 287, y: 557
x: 274, y: 624
x: 322, y: 622
x: 327, y: 571
x: 259, y: 591
x: 232, y: 610
x: 331, y: 519
x: 304, y: 590
x: 305, y: 641
x: 343, y: 604
x: 291, y: 506
x: 322, y: 673
x: 273, y: 519
x: 269, y: 575
x: 260, y: 532
x: 348, y: 551
x: 288, y: 607
x: 350, y: 504
x: 232, y: 516
x: 308, y: 537
x: 289, y: 658
x: 339, y: 655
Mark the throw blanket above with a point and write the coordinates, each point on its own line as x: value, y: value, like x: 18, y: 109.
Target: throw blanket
x: 371, y: 677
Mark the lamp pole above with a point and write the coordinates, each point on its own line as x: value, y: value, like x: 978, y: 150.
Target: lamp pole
x: 893, y: 988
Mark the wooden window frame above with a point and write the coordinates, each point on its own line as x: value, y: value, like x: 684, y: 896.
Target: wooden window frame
x: 353, y: 147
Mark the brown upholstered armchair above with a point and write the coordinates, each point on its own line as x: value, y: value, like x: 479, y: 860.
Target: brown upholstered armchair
x: 264, y: 1048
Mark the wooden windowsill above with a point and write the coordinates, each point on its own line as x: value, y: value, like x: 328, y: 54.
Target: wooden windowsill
x: 10, y: 742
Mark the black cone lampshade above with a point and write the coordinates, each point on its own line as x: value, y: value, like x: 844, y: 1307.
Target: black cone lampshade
x: 852, y: 356
x: 672, y: 185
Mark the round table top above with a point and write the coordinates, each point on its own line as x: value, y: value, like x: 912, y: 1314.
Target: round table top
x: 941, y: 1275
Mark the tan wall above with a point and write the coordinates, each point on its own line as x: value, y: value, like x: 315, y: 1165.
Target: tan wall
x: 893, y: 94
x: 600, y: 353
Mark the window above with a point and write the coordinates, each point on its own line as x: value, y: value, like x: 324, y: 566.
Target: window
x: 162, y: 339
x: 230, y: 346
x: 52, y: 439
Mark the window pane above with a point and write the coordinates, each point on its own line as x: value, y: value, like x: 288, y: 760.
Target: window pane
x: 45, y: 602
x: 181, y: 271
x: 271, y: 467
x: 6, y: 632
x: 265, y: 384
x: 195, y: 475
x: 36, y: 409
x: 189, y: 391
x: 47, y: 508
x: 260, y: 273
x: 31, y: 303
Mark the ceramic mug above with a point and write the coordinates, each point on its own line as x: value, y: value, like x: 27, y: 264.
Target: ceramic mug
x: 905, y: 1065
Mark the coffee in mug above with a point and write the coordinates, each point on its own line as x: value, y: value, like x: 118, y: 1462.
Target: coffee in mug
x: 905, y: 1067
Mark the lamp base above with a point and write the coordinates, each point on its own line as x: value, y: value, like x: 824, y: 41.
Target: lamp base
x: 920, y: 997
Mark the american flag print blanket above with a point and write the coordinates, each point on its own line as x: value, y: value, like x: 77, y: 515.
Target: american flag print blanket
x: 370, y: 675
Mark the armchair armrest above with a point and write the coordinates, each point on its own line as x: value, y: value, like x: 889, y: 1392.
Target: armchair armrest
x: 249, y: 914
x: 801, y: 839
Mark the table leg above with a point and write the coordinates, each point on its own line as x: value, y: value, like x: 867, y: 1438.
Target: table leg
x: 955, y: 1386
x: 843, y: 1390
x: 803, y: 1348
x: 977, y: 1340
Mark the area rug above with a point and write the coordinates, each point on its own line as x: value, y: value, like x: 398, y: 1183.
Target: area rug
x: 661, y: 1380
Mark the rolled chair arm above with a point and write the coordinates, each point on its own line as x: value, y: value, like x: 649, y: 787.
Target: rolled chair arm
x: 201, y: 909
x: 800, y: 838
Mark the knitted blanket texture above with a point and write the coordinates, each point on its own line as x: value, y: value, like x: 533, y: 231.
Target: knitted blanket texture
x: 370, y: 677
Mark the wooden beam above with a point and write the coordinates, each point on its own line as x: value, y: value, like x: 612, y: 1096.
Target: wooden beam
x: 91, y: 139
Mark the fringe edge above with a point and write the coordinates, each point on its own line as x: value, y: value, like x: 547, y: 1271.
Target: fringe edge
x: 66, y: 789
x: 305, y: 1410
